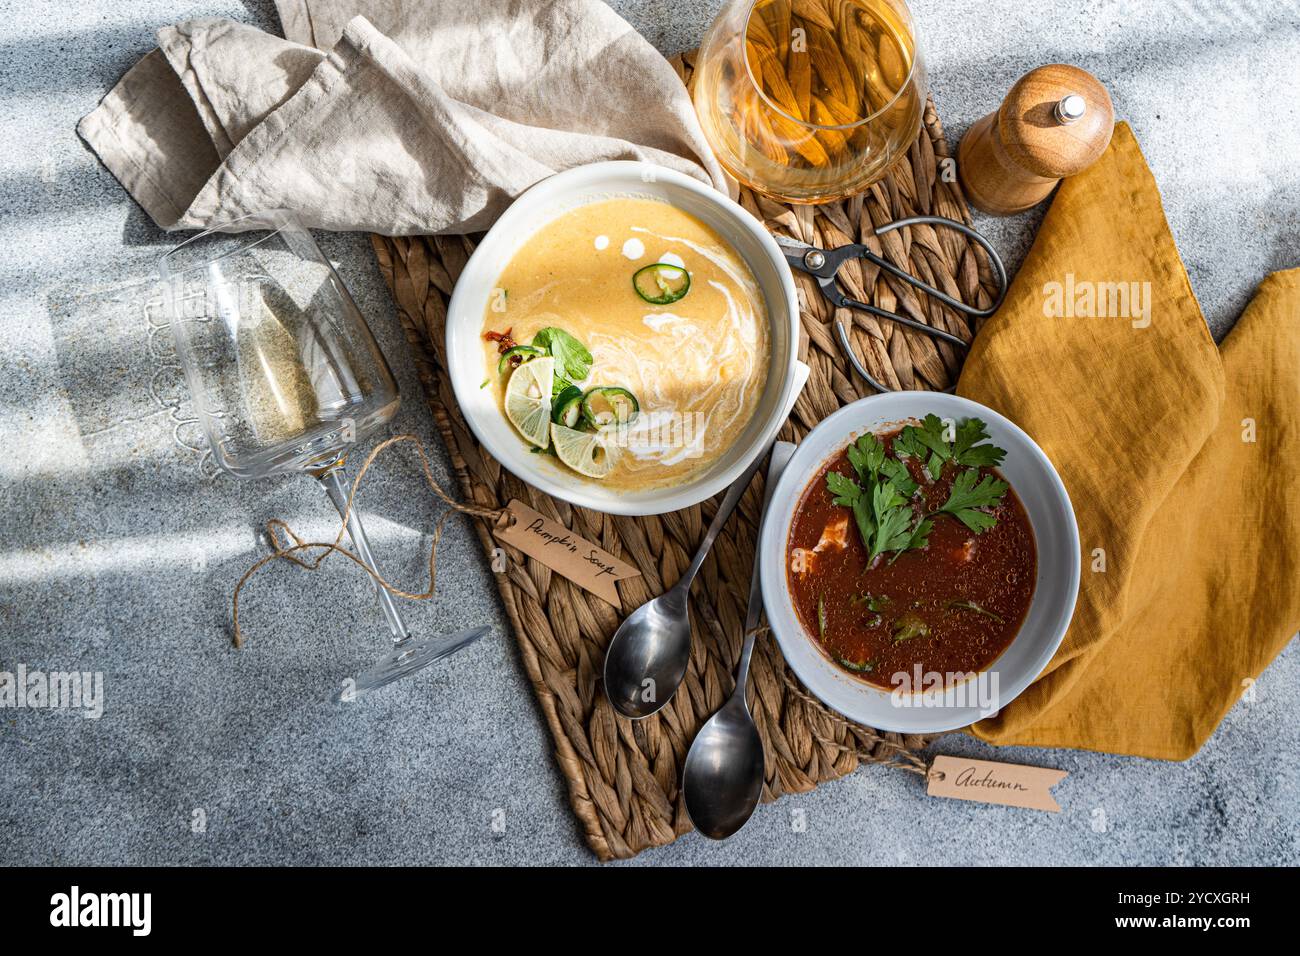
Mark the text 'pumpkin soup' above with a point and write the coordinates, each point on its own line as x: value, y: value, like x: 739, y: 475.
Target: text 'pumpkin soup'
x: 627, y: 339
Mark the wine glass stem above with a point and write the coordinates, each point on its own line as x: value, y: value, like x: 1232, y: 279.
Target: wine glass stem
x: 332, y: 481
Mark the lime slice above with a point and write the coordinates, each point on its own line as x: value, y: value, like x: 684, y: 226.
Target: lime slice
x: 593, y: 454
x: 528, y: 400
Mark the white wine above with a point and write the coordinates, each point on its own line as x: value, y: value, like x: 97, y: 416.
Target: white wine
x: 810, y: 100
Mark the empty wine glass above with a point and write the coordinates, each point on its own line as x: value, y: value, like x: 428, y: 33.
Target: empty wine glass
x: 286, y: 376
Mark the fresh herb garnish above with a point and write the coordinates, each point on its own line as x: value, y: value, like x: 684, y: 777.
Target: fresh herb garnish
x: 884, y: 497
x: 919, y: 538
x: 970, y: 448
x: 845, y: 490
x: 893, y: 520
x: 866, y: 455
x: 821, y: 617
x: 969, y: 493
x: 899, y: 476
x: 570, y: 355
x: 861, y: 667
x: 930, y: 440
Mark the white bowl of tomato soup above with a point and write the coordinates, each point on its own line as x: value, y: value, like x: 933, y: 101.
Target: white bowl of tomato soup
x: 920, y: 561
x: 660, y: 317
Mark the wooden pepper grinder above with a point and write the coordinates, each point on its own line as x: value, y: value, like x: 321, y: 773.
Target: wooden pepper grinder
x: 1055, y: 122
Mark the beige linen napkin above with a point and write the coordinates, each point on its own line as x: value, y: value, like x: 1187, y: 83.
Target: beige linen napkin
x: 421, y: 116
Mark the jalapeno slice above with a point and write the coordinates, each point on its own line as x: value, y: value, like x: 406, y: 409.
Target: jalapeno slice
x: 609, y: 405
x: 661, y: 283
x: 521, y: 352
x: 567, y: 407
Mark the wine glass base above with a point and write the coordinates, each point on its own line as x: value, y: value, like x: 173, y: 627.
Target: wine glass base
x: 411, y: 655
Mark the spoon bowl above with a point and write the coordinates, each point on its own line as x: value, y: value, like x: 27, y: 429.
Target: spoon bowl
x: 649, y: 652
x: 648, y: 655
x: 723, y: 777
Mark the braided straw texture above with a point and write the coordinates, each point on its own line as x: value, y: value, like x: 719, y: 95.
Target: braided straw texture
x: 622, y: 775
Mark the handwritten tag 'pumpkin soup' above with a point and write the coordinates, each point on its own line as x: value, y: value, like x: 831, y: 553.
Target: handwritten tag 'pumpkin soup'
x: 647, y: 336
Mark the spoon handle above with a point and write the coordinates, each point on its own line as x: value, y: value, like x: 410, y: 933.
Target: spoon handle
x: 781, y: 453
x: 728, y: 505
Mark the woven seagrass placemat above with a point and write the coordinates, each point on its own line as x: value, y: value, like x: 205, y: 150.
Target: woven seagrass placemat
x: 622, y: 775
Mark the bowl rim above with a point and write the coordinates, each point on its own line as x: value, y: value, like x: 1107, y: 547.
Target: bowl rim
x: 628, y: 174
x: 855, y: 418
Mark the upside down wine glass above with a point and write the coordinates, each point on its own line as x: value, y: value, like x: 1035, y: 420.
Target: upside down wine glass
x: 286, y: 376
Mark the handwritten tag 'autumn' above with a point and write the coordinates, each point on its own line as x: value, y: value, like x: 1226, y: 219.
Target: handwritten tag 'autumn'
x: 564, y: 552
x: 986, y: 781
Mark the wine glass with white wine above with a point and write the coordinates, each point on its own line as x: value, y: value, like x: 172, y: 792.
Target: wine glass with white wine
x: 286, y: 377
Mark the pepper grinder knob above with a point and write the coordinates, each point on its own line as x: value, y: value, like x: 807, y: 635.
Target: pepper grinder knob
x: 1055, y: 122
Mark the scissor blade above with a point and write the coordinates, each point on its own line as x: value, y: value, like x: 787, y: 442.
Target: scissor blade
x: 794, y: 252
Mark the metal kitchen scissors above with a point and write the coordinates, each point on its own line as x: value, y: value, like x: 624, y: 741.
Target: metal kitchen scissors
x: 823, y: 264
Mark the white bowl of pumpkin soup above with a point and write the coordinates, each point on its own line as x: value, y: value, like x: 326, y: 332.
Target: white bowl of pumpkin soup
x: 624, y: 338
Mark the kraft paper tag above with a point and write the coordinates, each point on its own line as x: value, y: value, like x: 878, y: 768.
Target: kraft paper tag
x: 986, y: 781
x: 586, y: 565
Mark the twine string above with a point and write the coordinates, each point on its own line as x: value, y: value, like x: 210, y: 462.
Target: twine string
x: 281, y: 549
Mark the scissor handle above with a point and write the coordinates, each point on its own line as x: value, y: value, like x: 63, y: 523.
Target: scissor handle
x: 999, y: 269
x: 861, y: 369
x: 929, y: 330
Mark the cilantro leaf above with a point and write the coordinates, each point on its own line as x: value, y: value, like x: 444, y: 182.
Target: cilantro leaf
x: 866, y: 455
x: 899, y: 476
x: 908, y: 444
x: 968, y: 450
x: 920, y: 535
x: 570, y: 355
x: 935, y: 467
x: 930, y: 434
x: 970, y: 492
x: 845, y: 490
x: 893, y: 519
x: 864, y: 519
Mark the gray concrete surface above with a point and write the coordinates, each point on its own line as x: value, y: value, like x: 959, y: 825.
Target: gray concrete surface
x: 119, y: 552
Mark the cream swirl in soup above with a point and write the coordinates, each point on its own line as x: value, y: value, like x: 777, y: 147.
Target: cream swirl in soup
x: 696, y: 365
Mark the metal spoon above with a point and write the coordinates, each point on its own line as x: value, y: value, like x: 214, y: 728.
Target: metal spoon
x: 723, y: 776
x: 647, y: 655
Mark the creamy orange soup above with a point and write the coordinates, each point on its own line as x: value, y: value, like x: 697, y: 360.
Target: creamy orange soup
x: 697, y: 366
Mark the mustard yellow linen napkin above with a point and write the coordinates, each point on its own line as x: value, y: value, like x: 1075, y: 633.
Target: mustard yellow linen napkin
x: 1182, y: 461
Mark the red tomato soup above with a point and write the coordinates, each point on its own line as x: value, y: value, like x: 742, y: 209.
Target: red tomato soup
x: 951, y: 599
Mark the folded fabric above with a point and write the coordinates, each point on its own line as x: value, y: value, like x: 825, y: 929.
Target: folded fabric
x: 1180, y: 458
x: 396, y: 118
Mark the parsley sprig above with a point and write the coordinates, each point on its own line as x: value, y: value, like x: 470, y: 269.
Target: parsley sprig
x: 884, y: 497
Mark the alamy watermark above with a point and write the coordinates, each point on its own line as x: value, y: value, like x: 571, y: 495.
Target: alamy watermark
x: 53, y: 690
x: 919, y: 688
x: 1098, y: 300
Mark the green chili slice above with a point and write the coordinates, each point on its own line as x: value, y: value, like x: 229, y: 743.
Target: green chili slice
x: 609, y: 405
x: 567, y: 407
x: 521, y: 352
x: 661, y: 283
